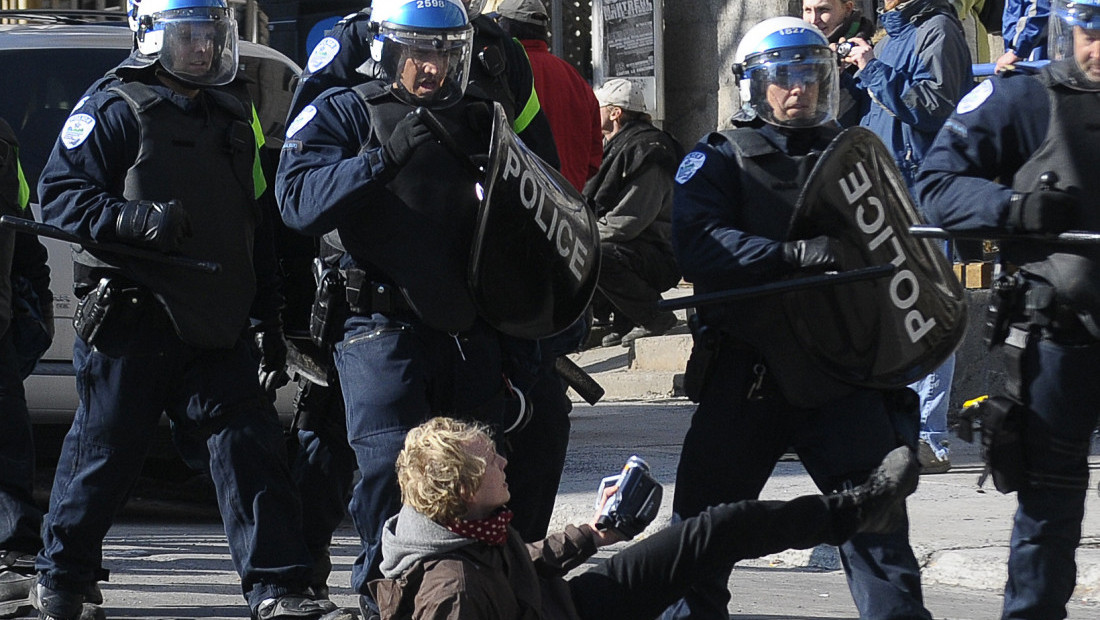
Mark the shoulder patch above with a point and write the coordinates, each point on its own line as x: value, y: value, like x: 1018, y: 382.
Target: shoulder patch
x: 689, y: 166
x: 326, y: 49
x: 76, y: 130
x: 301, y: 120
x: 975, y: 97
x: 81, y: 102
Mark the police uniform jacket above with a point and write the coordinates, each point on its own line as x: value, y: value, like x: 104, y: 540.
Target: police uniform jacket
x: 410, y: 227
x: 1012, y: 128
x: 201, y: 151
x: 920, y: 70
x: 735, y: 198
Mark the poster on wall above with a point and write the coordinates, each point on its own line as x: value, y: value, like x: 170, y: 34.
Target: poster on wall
x: 626, y: 43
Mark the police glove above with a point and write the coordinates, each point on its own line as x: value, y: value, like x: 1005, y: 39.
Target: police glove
x: 409, y: 134
x: 1042, y: 211
x: 159, y: 225
x: 272, y: 346
x: 820, y: 253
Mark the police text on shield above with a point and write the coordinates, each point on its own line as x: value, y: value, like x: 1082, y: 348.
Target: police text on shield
x: 870, y: 217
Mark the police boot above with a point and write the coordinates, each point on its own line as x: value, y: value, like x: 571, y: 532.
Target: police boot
x: 878, y: 505
x: 16, y: 581
x: 298, y: 606
x: 66, y: 604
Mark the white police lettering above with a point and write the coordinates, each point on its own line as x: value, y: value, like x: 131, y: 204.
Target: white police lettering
x: 76, y: 130
x: 532, y: 195
x: 975, y: 97
x: 870, y: 218
x: 691, y: 164
x: 326, y: 49
x: 301, y: 120
x: 431, y: 4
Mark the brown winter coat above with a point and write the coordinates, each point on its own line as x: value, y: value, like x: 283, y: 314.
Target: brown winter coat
x: 516, y: 581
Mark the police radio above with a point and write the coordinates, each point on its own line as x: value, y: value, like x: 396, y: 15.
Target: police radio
x: 635, y: 503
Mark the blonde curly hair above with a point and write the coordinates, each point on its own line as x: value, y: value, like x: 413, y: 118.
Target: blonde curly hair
x: 436, y: 471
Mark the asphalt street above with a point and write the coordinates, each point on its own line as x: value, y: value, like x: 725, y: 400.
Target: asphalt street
x: 168, y: 558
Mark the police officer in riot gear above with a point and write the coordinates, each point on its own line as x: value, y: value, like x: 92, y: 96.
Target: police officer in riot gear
x: 500, y: 71
x: 1018, y: 129
x: 361, y: 162
x: 162, y: 155
x: 735, y: 195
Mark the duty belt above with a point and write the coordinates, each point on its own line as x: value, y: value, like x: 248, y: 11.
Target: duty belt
x: 366, y: 296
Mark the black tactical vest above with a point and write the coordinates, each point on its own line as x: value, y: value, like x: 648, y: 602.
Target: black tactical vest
x: 771, y: 182
x: 419, y: 231
x: 1070, y: 149
x: 203, y: 159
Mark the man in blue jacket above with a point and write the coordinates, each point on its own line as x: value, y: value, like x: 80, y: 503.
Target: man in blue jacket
x: 914, y: 77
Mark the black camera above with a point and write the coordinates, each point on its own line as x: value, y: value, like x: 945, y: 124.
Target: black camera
x: 843, y: 49
x: 636, y: 502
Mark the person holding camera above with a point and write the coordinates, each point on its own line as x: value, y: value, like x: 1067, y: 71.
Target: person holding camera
x: 1016, y: 160
x: 840, y: 20
x: 451, y: 553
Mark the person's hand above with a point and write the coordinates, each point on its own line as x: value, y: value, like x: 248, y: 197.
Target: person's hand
x: 1007, y: 59
x: 818, y: 254
x: 861, y: 54
x: 273, y: 351
x: 1042, y: 211
x: 162, y: 226
x: 605, y: 537
x: 409, y: 134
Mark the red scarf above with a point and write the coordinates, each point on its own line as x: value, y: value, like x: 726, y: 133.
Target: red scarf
x: 490, y: 530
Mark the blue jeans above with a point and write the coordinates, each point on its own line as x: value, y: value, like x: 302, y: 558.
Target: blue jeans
x: 1062, y: 392
x: 138, y: 369
x: 20, y: 517
x: 734, y: 443
x: 396, y: 373
x: 934, y: 391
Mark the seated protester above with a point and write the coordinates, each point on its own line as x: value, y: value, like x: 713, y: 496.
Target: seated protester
x: 450, y: 552
x: 632, y: 196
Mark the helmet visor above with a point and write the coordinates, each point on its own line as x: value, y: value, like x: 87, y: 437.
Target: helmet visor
x: 427, y: 68
x: 199, y: 45
x: 794, y: 89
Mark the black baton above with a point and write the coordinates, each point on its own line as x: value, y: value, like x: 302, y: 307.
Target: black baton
x: 581, y: 382
x: 448, y: 141
x: 775, y: 288
x: 30, y: 227
x: 1069, y: 237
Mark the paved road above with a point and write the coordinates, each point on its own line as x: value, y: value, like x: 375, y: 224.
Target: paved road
x: 169, y: 560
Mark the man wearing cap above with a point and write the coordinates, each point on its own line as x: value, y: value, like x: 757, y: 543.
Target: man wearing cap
x: 565, y: 96
x: 632, y: 196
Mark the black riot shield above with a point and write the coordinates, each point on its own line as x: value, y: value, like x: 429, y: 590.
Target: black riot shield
x: 536, y: 251
x: 877, y: 333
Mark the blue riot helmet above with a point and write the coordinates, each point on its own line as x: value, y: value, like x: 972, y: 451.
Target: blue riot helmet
x: 788, y: 74
x: 424, y: 49
x: 194, y: 40
x: 1070, y: 19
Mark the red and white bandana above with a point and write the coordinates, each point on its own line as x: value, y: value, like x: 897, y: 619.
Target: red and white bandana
x: 490, y: 530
